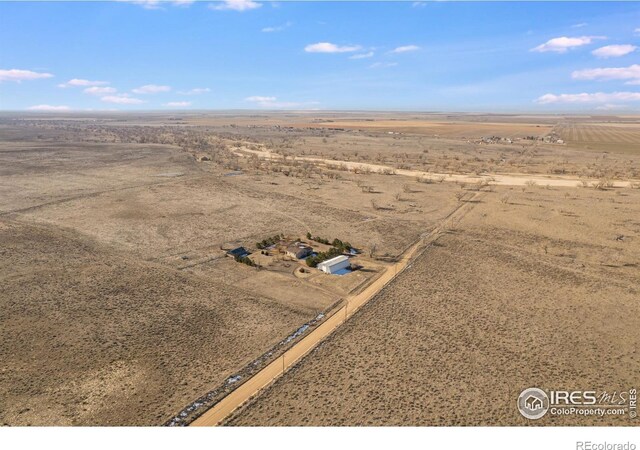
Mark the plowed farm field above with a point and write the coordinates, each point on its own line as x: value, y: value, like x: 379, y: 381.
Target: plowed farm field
x: 619, y: 138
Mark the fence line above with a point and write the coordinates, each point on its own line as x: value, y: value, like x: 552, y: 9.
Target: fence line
x: 221, y: 410
x: 225, y: 407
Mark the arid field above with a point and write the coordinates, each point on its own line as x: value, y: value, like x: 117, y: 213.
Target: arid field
x: 533, y: 292
x: 119, y: 305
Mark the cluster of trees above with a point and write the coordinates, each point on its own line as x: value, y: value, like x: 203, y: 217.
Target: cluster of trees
x: 245, y: 260
x: 318, y: 239
x: 313, y: 261
x: 268, y: 242
x: 194, y: 140
x: 344, y: 247
x: 337, y: 243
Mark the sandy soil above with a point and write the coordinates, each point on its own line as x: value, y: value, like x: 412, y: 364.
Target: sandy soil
x: 500, y: 179
x: 611, y: 137
x: 92, y: 337
x: 352, y: 303
x: 511, y: 298
x: 121, y: 307
x: 450, y: 129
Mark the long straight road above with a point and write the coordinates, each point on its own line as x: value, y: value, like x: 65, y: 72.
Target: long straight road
x: 224, y: 408
x: 499, y: 179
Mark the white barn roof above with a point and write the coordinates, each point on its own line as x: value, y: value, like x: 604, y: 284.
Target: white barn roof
x: 334, y: 261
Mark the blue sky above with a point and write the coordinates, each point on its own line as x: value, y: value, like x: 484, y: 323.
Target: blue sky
x: 240, y: 54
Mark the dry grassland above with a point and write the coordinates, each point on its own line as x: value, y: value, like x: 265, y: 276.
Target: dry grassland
x: 538, y: 291
x: 119, y: 306
x: 462, y: 130
x: 94, y: 337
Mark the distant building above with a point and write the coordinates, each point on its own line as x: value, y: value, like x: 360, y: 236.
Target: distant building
x: 238, y: 252
x: 298, y: 251
x: 335, y: 265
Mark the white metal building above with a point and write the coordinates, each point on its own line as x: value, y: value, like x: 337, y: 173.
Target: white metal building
x: 334, y: 265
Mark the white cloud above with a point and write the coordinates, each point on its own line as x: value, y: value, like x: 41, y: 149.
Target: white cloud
x: 49, y: 108
x: 405, y: 49
x: 631, y: 74
x: 97, y: 90
x: 79, y: 82
x: 596, y: 97
x: 362, y: 55
x: 562, y: 44
x: 276, y: 29
x: 419, y: 4
x: 157, y: 4
x: 637, y: 31
x: 177, y: 104
x: 151, y: 89
x: 328, y: 47
x: 195, y: 91
x: 382, y: 65
x: 613, y: 51
x: 260, y: 99
x: 122, y: 99
x: 579, y: 25
x: 19, y: 75
x: 235, y: 5
x: 274, y: 103
x: 611, y: 107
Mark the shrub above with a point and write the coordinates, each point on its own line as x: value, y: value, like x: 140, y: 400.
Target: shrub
x: 313, y: 261
x: 245, y: 260
x: 603, y: 183
x: 268, y: 242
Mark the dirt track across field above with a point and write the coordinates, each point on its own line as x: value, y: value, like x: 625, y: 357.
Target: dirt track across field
x: 223, y: 409
x: 510, y: 179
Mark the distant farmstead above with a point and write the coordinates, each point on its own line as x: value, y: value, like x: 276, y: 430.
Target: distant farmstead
x: 238, y: 252
x: 335, y: 265
x: 299, y: 251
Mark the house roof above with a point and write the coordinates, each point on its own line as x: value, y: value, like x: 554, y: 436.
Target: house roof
x: 238, y: 251
x: 297, y: 248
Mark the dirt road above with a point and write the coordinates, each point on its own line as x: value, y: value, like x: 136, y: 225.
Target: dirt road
x: 510, y: 179
x: 275, y: 369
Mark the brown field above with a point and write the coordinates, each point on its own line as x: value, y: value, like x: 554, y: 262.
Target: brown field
x: 536, y: 292
x: 94, y: 337
x: 610, y: 137
x: 119, y: 306
x: 462, y: 130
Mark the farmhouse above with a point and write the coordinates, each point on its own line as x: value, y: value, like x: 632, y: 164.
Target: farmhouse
x: 335, y: 265
x: 238, y: 252
x: 298, y: 251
